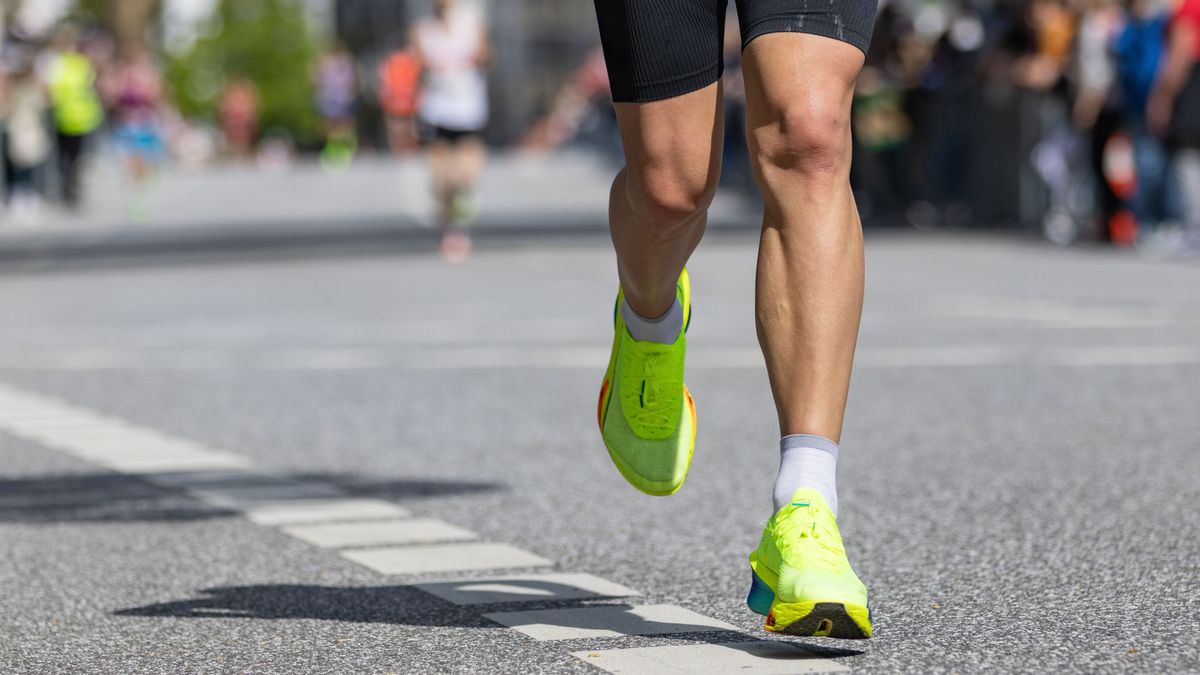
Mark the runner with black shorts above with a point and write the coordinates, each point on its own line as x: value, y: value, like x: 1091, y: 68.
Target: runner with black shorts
x: 800, y: 63
x: 453, y: 47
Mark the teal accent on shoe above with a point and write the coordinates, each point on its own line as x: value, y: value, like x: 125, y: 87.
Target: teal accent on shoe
x: 761, y: 596
x: 799, y: 503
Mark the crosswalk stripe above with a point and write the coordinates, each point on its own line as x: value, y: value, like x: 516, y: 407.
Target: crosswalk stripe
x: 302, y: 511
x: 761, y: 656
x: 323, y: 515
x: 525, y: 588
x: 207, y: 462
x: 604, y: 621
x: 235, y: 496
x: 439, y: 558
x: 379, y: 533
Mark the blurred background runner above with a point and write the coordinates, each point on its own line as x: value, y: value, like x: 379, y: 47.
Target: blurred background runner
x: 135, y: 94
x: 1071, y: 119
x: 453, y: 48
x: 336, y: 82
x: 399, y: 92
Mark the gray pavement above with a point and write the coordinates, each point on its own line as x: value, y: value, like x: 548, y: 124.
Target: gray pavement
x: 1018, y: 477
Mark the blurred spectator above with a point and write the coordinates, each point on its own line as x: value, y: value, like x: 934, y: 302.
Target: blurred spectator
x: 454, y: 49
x: 336, y: 82
x: 71, y: 80
x: 399, y: 93
x: 1174, y: 112
x: 1139, y: 48
x: 1096, y: 109
x: 28, y: 139
x: 238, y: 117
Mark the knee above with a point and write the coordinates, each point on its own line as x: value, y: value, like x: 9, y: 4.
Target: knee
x: 808, y: 137
x: 670, y: 198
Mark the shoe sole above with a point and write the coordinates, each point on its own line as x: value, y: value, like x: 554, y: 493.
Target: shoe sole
x: 809, y: 619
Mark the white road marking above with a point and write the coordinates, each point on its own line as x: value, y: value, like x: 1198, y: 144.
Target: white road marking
x: 551, y: 586
x: 299, y: 512
x: 605, y: 621
x: 437, y: 558
x: 110, y: 442
x: 210, y: 462
x: 249, y: 496
x: 379, y: 533
x: 1055, y: 314
x: 730, y: 657
x: 321, y: 514
x: 1091, y: 357
x: 932, y: 357
x: 327, y: 359
x: 588, y: 358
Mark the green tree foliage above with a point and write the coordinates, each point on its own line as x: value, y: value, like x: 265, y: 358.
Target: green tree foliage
x: 265, y: 41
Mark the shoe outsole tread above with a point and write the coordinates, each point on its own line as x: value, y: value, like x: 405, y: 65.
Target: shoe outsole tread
x: 825, y: 619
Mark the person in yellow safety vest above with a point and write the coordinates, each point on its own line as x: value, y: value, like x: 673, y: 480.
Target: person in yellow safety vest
x: 76, y: 107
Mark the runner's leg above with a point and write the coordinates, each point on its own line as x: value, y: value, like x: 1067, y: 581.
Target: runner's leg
x: 664, y: 63
x: 441, y: 175
x: 658, y: 203
x: 810, y: 266
x: 808, y: 303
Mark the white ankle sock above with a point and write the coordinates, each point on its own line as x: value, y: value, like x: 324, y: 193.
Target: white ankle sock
x: 664, y: 329
x: 810, y: 462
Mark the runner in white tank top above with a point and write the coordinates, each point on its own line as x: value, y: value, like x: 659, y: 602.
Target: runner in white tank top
x: 453, y: 46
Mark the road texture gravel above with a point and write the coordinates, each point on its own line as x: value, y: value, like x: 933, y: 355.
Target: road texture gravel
x: 1018, y: 478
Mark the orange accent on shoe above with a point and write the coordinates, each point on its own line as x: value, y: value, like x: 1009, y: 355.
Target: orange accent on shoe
x: 600, y: 404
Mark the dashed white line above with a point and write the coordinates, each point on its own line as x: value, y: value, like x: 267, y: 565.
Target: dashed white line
x: 768, y: 657
x: 379, y: 533
x: 519, y: 588
x: 324, y: 515
x: 437, y: 558
x: 584, y: 358
x: 302, y: 511
x: 605, y: 621
x: 249, y: 496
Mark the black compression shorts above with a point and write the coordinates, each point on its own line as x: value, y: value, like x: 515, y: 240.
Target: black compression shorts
x: 432, y: 132
x: 657, y: 49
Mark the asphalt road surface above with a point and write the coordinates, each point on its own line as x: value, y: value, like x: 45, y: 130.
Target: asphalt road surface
x: 254, y: 466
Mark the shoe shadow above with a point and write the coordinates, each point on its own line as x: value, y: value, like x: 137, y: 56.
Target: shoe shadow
x: 412, y: 606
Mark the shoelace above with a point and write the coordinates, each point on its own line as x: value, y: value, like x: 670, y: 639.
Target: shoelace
x: 659, y: 391
x: 798, y: 535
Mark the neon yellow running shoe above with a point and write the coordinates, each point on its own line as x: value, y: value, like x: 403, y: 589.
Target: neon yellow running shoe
x: 801, y: 580
x: 646, y: 414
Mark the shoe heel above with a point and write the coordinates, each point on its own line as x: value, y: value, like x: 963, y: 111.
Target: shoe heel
x: 761, y: 596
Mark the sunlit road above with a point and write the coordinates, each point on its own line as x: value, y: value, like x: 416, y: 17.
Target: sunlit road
x: 250, y: 467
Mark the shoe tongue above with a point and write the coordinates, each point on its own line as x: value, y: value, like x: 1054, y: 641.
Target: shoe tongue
x: 806, y: 497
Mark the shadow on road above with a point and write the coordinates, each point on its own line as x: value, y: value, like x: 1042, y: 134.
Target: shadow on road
x: 106, y: 497
x: 407, y: 605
